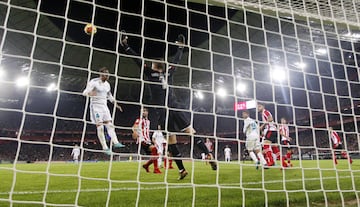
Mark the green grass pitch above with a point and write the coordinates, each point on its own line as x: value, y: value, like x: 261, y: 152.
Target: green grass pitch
x: 234, y: 184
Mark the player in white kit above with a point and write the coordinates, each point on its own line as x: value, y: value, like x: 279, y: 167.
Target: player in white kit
x: 227, y: 153
x: 75, y: 154
x: 253, y: 145
x: 159, y: 142
x: 99, y: 91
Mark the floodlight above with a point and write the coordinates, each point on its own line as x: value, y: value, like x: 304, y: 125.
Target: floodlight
x: 301, y: 65
x: 2, y: 73
x: 199, y: 95
x: 22, y: 81
x: 51, y: 87
x: 278, y: 75
x: 241, y: 87
x: 221, y: 92
x: 321, y: 51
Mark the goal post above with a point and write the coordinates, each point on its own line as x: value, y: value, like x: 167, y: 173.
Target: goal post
x: 299, y: 59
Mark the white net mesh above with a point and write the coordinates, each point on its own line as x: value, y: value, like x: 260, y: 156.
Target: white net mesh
x: 299, y: 58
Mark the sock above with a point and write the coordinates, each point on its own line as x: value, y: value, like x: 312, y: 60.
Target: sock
x: 276, y: 151
x: 335, y: 160
x: 261, y: 157
x: 111, y: 132
x: 101, y: 136
x: 288, y: 157
x: 253, y: 156
x: 159, y: 160
x: 283, y: 162
x: 200, y: 143
x: 268, y: 155
x: 155, y: 161
x: 170, y: 163
x: 175, y: 153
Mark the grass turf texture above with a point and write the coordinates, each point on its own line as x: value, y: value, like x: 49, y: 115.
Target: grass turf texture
x: 231, y: 185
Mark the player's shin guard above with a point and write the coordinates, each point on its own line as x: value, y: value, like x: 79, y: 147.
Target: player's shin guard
x: 175, y: 153
x: 111, y: 131
x: 200, y: 143
x: 101, y: 136
x: 268, y: 155
x: 253, y: 157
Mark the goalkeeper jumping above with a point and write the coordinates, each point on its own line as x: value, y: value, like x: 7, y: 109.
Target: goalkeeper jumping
x: 177, y: 120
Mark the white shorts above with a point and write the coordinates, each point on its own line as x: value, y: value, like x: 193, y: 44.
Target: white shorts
x: 99, y: 113
x: 75, y: 157
x: 253, y: 143
x: 160, y: 149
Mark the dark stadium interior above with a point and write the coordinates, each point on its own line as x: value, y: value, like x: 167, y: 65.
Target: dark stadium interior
x: 326, y: 93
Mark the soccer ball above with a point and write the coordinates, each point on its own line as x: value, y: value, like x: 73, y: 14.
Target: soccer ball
x: 90, y: 29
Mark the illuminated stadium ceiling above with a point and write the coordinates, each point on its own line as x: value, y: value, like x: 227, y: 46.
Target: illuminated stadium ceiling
x: 76, y: 56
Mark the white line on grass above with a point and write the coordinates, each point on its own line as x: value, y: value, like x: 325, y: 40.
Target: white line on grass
x: 228, y: 185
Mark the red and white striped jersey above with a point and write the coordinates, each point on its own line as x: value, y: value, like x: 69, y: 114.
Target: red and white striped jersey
x: 335, y: 138
x: 270, y: 126
x: 284, y: 129
x: 143, y: 130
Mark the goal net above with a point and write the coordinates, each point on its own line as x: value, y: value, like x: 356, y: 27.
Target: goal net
x: 297, y: 59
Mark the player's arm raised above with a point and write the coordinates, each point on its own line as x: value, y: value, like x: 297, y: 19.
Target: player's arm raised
x: 89, y: 90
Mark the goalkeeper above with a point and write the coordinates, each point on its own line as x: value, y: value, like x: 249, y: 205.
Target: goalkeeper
x: 177, y: 120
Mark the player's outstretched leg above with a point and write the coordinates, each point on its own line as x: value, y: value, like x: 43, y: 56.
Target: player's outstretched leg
x: 334, y: 157
x: 268, y: 154
x: 101, y: 137
x: 111, y: 131
x: 201, y: 145
x: 154, y: 153
x: 176, y: 154
x: 346, y: 156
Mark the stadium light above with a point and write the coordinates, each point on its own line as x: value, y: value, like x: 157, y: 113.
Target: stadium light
x: 221, y: 92
x: 241, y: 87
x: 199, y: 95
x: 51, y: 87
x: 321, y: 51
x: 300, y: 65
x: 278, y: 75
x: 2, y: 73
x: 22, y: 81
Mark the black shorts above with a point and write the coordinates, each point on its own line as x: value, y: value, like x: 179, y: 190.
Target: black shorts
x: 285, y: 144
x: 272, y: 136
x: 339, y: 147
x: 178, y: 120
x: 146, y: 148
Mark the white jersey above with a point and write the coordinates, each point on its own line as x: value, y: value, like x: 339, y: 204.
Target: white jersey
x: 251, y: 128
x: 75, y: 152
x: 227, y: 152
x: 158, y: 137
x: 102, y: 89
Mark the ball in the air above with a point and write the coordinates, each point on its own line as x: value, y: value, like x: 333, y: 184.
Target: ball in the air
x: 90, y: 29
